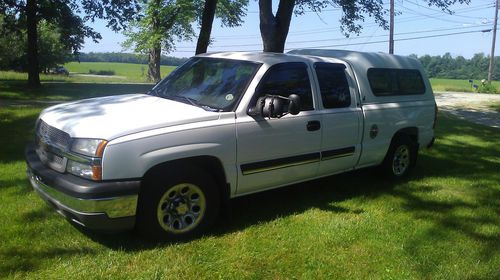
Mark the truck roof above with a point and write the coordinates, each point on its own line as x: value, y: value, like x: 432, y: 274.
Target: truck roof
x: 355, y: 59
x: 364, y: 59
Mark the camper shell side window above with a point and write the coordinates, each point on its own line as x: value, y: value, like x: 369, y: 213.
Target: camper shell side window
x: 390, y: 81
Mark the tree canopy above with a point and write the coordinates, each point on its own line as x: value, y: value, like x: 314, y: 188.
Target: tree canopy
x: 69, y: 17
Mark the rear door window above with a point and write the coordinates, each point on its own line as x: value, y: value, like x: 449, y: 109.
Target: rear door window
x: 333, y: 85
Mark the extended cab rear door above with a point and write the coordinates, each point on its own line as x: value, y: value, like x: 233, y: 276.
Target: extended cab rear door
x: 341, y: 118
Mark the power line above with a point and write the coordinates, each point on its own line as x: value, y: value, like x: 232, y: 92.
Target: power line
x: 382, y: 41
x: 399, y: 20
x: 406, y: 39
x: 352, y: 38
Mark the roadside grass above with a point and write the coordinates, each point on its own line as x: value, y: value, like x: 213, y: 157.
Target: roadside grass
x: 441, y: 223
x: 495, y: 106
x: 457, y: 85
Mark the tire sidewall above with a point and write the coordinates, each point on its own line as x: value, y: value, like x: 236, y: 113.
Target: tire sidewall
x: 396, y: 144
x: 157, y: 184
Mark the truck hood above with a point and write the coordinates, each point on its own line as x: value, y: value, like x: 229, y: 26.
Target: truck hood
x: 114, y: 116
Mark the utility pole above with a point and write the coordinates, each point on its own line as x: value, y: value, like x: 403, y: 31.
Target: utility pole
x: 391, y: 28
x: 492, y: 55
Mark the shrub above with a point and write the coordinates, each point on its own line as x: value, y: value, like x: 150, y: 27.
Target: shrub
x: 102, y: 72
x: 487, y: 88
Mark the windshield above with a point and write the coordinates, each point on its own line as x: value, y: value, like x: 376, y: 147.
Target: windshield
x: 210, y: 83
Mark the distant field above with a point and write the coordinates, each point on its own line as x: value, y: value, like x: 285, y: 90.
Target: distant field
x: 128, y: 72
x: 79, y: 73
x: 457, y: 85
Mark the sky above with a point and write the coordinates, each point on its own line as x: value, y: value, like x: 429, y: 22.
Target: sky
x: 419, y: 29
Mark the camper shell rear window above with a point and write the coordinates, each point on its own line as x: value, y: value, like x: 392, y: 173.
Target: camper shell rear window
x: 389, y: 82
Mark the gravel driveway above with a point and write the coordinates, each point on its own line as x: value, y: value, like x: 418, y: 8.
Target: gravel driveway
x: 470, y: 106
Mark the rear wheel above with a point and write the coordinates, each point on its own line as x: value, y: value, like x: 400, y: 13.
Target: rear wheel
x: 401, y: 157
x: 177, y: 204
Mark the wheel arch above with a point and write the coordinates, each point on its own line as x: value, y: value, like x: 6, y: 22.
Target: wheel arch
x: 411, y: 132
x: 209, y: 163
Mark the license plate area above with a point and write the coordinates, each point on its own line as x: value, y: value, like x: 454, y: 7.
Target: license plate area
x: 54, y: 161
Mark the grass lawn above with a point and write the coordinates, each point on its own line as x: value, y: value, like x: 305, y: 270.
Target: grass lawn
x: 131, y: 72
x: 442, y: 223
x: 457, y: 85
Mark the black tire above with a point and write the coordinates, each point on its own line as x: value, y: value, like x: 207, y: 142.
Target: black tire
x: 400, y: 158
x: 177, y: 203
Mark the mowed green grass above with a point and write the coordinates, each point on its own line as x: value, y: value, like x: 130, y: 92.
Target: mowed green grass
x: 79, y: 73
x: 441, y: 223
x: 128, y: 71
x: 457, y: 85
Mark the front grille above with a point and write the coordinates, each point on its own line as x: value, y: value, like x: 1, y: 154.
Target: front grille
x: 53, y: 136
x: 51, y: 143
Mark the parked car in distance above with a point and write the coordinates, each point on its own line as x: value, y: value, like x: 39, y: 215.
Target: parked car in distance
x: 225, y: 125
x: 59, y: 70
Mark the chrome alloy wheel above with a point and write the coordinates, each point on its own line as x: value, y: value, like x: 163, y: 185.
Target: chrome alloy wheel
x: 181, y: 208
x: 401, y: 160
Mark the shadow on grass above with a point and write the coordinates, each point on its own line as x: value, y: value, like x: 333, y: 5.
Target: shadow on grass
x: 17, y: 130
x: 28, y: 259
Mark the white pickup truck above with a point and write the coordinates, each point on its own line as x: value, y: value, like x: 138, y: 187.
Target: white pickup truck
x: 225, y: 125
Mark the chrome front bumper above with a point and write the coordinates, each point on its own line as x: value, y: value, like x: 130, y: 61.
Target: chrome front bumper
x: 113, y: 207
x: 106, y: 205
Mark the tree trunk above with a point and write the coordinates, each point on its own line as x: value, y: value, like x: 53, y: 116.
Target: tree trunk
x: 154, y: 64
x: 32, y: 52
x: 155, y: 52
x: 274, y: 29
x: 207, y: 20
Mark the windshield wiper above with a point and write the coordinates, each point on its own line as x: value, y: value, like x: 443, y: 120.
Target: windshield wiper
x: 192, y: 101
x: 185, y: 99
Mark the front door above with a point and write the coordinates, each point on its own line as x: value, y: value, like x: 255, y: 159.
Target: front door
x: 275, y: 152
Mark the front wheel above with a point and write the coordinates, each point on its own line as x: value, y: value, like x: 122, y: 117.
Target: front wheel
x: 177, y: 205
x: 400, y: 158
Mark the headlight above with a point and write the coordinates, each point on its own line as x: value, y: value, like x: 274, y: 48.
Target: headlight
x: 88, y: 165
x: 89, y: 147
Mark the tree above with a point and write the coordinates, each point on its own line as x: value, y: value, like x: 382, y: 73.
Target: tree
x: 64, y: 14
x: 274, y: 27
x: 12, y: 44
x: 231, y: 12
x: 50, y: 50
x: 159, y: 26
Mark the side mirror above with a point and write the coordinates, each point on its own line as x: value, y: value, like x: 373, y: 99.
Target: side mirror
x: 276, y: 106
